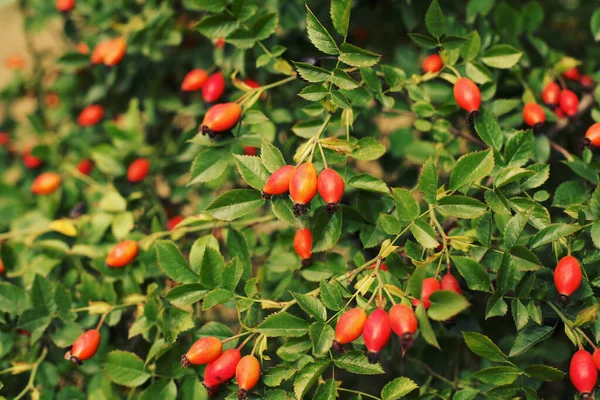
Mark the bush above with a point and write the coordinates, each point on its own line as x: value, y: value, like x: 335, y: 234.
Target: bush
x: 272, y: 179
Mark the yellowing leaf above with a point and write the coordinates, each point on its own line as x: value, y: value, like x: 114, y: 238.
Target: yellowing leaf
x: 64, y: 226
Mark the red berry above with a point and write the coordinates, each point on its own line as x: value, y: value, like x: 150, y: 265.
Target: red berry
x: 586, y: 81
x: 449, y: 282
x: 534, y: 115
x: 46, y: 183
x: 382, y: 267
x: 596, y: 357
x: 221, y: 370
x: 100, y: 52
x: 404, y: 323
x: 14, y: 62
x: 2, y: 269
x: 220, y: 117
x: 138, y: 170
x: 279, y: 181
x: 90, y: 115
x: 551, y: 93
x: 204, y: 351
x: 583, y: 373
x: 251, y: 83
x: 115, y: 51
x: 572, y: 74
x: 432, y: 63
x: 247, y: 375
x: 84, y: 347
x: 250, y: 151
x: 83, y: 48
x: 213, y: 87
x: 30, y: 161
x: 194, y: 80
x: 85, y: 166
x: 569, y: 102
x: 376, y: 333
x: 122, y: 254
x: 51, y: 100
x: 65, y: 5
x: 592, y: 136
x: 303, y: 244
x: 219, y: 43
x: 303, y: 187
x: 173, y: 222
x: 430, y: 285
x: 331, y: 188
x: 567, y: 277
x: 467, y: 95
x: 558, y: 112
x: 349, y: 326
x: 4, y: 138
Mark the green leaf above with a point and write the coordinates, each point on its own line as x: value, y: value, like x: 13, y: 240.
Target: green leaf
x: 445, y: 304
x: 570, y: 193
x: 595, y: 25
x: 283, y: 209
x: 312, y: 305
x: 510, y: 175
x: 184, y: 295
x: 35, y: 321
x: 216, y: 297
x: 208, y: 165
x: 488, y: 129
x: 520, y: 314
x: 340, y: 15
x: 369, y: 149
x: 398, y: 388
x: 271, y: 157
x: 524, y: 259
x: 470, y: 48
x: 484, y: 347
x: 470, y: 168
x: 312, y: 74
x: 308, y: 376
x: 331, y: 295
x: 326, y: 231
x: 424, y: 234
x: 425, y: 326
x: 252, y: 170
x: 529, y: 337
x: 125, y: 368
x: 428, y: 182
x: 322, y: 336
x: 171, y: 261
x: 283, y: 324
x: 205, y: 5
x: 13, y: 299
x: 552, y: 233
x: 544, y: 373
x: 264, y: 26
x: 478, y: 72
x: 453, y: 42
x: 514, y: 228
x: 318, y: 35
x: 342, y: 80
x: 369, y: 183
x: 435, y: 20
x: 501, y: 56
x: 461, y: 207
x: 277, y: 374
x: 313, y: 92
x: 423, y: 40
x: 112, y: 201
x: 533, y: 16
x: 407, y: 206
x: 234, y: 204
x: 217, y: 26
x: 498, y: 376
x: 211, y: 268
x: 42, y: 295
x: 473, y: 272
x: 356, y: 362
x: 357, y: 57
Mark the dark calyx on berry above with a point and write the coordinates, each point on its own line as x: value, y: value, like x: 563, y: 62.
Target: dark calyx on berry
x: 373, y: 357
x: 306, y: 262
x: 265, y: 195
x: 72, y: 358
x: 210, y: 390
x: 586, y: 142
x: 332, y: 208
x: 538, y: 127
x: 207, y: 131
x: 406, y: 341
x: 299, y: 209
x: 471, y: 116
x: 562, y: 299
x: 337, y: 346
x: 242, y: 394
x: 185, y: 363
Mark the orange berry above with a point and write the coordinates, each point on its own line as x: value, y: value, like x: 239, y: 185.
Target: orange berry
x: 122, y: 254
x: 46, y: 183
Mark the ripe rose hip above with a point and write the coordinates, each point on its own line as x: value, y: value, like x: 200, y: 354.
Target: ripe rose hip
x: 138, y: 170
x: 583, y: 373
x: 219, y: 43
x: 100, y: 52
x: 303, y: 245
x: 65, y: 5
x: 558, y: 112
x: 221, y: 370
x: 90, y: 115
x: 250, y: 151
x: 4, y: 138
x: 31, y: 161
x: 449, y: 282
x: 534, y: 115
x: 115, y: 52
x: 46, y: 183
x: 349, y: 327
x: 84, y: 347
x: 592, y: 136
x: 122, y: 254
x: 14, y: 62
x: 467, y: 96
x: 376, y: 333
x: 85, y: 166
x: 303, y: 187
x: 430, y: 285
x: 83, y: 48
x: 586, y: 81
x: 404, y: 323
x: 331, y: 188
x: 567, y: 277
x: 432, y: 63
x: 251, y: 83
x: 174, y: 221
x: 382, y: 267
x: 213, y: 87
x: 572, y: 74
x: 279, y: 181
x: 2, y: 269
x: 204, y: 351
x: 569, y: 102
x: 220, y: 117
x: 596, y: 358
x: 247, y: 375
x: 194, y: 80
x: 551, y: 93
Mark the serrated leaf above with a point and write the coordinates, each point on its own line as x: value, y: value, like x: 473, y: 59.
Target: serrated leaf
x: 473, y: 272
x: 445, y: 304
x: 529, y: 337
x: 318, y: 35
x: 312, y: 305
x: 424, y: 234
x: 356, y: 362
x: 488, y: 129
x: 357, y: 57
x: 321, y: 336
x: 308, y: 376
x: 544, y: 373
x: 340, y: 15
x: 283, y: 324
x: 552, y: 233
x: 425, y: 326
x: 251, y: 170
x: 171, y: 261
x: 234, y: 204
x: 326, y: 231
x: 484, y: 347
x: 470, y: 168
x: 311, y: 73
x: 428, y: 182
x: 398, y: 388
x: 125, y: 368
x: 435, y: 20
x: 271, y: 157
x: 501, y: 56
x: 461, y: 207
